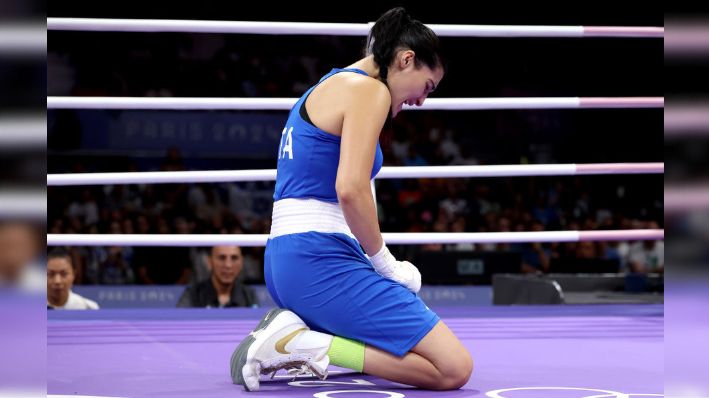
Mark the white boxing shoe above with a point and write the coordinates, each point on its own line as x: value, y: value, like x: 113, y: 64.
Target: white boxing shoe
x: 279, y: 342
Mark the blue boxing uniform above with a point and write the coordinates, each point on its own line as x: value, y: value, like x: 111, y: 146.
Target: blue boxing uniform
x: 314, y: 265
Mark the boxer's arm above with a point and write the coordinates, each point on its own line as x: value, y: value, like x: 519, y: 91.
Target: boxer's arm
x: 367, y: 106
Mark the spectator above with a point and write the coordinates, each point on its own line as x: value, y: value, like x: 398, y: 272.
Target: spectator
x: 535, y: 257
x: 439, y: 226
x: 647, y: 256
x: 86, y: 210
x: 450, y: 150
x: 503, y: 225
x: 224, y: 287
x: 459, y: 226
x: 410, y: 195
x: 615, y: 250
x: 114, y: 269
x: 454, y: 205
x: 586, y: 249
x: 413, y: 158
x: 60, y: 279
x: 173, y: 161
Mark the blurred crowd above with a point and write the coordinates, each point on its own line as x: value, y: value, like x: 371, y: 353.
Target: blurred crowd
x: 187, y: 65
x: 405, y: 205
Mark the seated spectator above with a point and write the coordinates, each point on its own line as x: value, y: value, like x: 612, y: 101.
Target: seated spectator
x: 60, y: 279
x: 647, y: 256
x: 114, y: 269
x: 535, y: 256
x: 586, y: 249
x: 224, y: 287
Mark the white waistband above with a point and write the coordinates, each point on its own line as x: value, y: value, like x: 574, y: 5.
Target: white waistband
x: 292, y: 216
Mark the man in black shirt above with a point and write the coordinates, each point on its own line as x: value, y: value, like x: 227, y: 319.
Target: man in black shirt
x: 223, y: 288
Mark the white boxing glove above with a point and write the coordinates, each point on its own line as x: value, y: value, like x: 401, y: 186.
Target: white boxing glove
x: 402, y: 272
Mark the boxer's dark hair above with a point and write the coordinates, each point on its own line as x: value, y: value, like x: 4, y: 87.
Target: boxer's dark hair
x: 395, y: 30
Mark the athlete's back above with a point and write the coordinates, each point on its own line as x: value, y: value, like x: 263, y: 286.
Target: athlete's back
x: 308, y: 156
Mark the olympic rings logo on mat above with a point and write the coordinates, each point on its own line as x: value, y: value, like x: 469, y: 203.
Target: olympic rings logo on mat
x: 389, y: 394
x: 605, y: 393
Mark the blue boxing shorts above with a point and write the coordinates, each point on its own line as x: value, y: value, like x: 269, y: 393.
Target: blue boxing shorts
x: 327, y: 279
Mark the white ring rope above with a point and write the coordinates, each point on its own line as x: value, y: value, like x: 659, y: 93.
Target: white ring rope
x: 396, y: 238
x: 281, y: 103
x: 168, y: 177
x: 342, y: 29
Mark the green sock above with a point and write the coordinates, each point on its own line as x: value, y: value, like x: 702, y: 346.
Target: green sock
x: 346, y: 353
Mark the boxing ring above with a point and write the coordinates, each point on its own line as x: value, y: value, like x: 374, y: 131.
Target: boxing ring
x: 592, y: 351
x: 185, y: 353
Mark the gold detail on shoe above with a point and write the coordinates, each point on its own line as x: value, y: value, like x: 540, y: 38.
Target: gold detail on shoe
x: 281, y: 344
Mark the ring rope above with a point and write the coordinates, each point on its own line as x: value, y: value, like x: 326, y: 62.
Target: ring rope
x: 396, y: 238
x: 280, y: 103
x: 342, y: 29
x: 177, y: 177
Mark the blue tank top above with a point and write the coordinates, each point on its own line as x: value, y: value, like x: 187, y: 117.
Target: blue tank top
x: 308, y: 156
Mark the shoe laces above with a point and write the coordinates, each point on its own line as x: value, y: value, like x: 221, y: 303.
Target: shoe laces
x: 295, y: 370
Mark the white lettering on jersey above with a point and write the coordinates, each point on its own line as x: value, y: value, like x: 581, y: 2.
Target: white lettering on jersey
x: 280, y: 142
x: 289, y: 144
